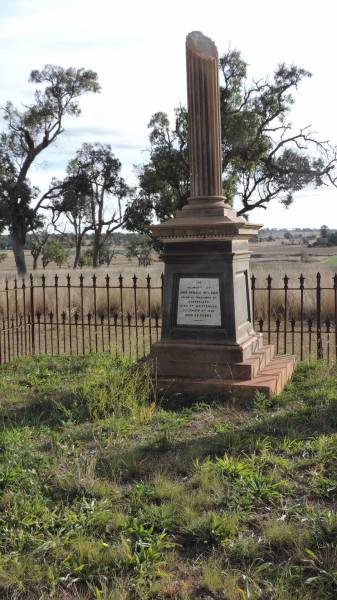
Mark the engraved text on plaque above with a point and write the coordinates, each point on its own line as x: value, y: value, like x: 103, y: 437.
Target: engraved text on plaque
x: 199, y: 301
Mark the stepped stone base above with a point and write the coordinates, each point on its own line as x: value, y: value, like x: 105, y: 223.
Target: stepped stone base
x: 184, y: 368
x: 270, y: 381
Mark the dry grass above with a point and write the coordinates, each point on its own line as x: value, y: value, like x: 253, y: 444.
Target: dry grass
x: 293, y: 271
x: 70, y: 305
x: 45, y: 299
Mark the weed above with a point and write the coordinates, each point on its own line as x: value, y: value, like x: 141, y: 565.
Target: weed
x: 114, y: 386
x: 261, y: 489
x: 228, y: 467
x: 262, y: 402
x: 210, y: 528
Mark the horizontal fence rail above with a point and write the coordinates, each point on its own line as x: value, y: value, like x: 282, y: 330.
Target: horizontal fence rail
x: 75, y: 315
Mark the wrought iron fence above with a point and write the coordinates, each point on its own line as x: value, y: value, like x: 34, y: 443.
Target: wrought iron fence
x: 303, y: 320
x: 68, y: 315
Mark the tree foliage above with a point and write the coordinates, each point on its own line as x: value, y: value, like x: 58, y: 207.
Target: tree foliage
x: 29, y: 132
x: 54, y: 251
x: 140, y: 247
x: 38, y: 240
x: 264, y: 157
x: 164, y: 181
x: 106, y: 254
x: 71, y: 200
x: 92, y: 197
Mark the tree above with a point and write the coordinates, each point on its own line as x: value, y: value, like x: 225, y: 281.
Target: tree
x: 164, y: 181
x: 332, y: 238
x: 71, y: 199
x: 97, y: 204
x: 29, y: 132
x: 107, y: 252
x: 324, y: 231
x: 263, y: 156
x: 39, y: 239
x: 140, y: 247
x: 54, y: 251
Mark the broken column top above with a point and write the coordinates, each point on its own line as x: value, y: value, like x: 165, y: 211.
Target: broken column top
x: 202, y: 45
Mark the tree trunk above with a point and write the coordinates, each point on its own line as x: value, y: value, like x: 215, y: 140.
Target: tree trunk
x: 77, y: 254
x: 19, y: 255
x: 35, y: 259
x: 95, y: 250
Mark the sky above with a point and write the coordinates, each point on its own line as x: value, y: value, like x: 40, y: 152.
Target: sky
x: 138, y: 51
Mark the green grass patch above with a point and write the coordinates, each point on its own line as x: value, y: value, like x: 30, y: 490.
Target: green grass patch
x: 107, y: 492
x: 331, y: 261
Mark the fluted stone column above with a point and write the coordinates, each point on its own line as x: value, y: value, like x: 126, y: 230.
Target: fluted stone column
x: 204, y: 116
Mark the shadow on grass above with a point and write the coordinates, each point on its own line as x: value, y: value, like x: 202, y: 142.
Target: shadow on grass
x: 308, y: 408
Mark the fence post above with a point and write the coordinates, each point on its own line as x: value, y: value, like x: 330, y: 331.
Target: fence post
x: 24, y: 312
x: 56, y: 279
x: 285, y: 287
x: 8, y: 320
x: 148, y: 285
x: 69, y: 312
x: 269, y: 280
x: 301, y: 278
x: 335, y: 302
x: 94, y: 280
x: 134, y: 280
x: 120, y: 279
x: 253, y: 281
x: 277, y: 323
x: 318, y: 317
x: 16, y: 317
x: 32, y: 313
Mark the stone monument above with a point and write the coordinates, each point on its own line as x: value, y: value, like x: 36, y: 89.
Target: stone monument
x: 208, y: 339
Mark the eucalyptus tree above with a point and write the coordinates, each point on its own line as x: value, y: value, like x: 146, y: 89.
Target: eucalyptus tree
x: 264, y: 156
x: 29, y: 132
x: 92, y: 197
x: 70, y: 199
x: 38, y: 239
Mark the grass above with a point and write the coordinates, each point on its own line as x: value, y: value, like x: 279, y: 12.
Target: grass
x: 331, y: 261
x: 107, y: 492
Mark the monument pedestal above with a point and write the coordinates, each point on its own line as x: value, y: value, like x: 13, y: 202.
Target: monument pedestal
x: 262, y: 372
x: 208, y: 339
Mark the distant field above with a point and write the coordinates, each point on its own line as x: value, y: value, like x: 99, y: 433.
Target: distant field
x: 265, y: 253
x: 331, y: 261
x: 275, y: 252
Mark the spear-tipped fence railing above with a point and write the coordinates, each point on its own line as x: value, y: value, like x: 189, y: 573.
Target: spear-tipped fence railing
x: 298, y: 318
x: 75, y: 315
x: 64, y: 316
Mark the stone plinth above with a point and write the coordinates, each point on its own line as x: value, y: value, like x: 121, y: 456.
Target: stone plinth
x: 208, y: 339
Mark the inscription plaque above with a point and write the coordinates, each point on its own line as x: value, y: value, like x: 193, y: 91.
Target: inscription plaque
x: 199, y: 301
